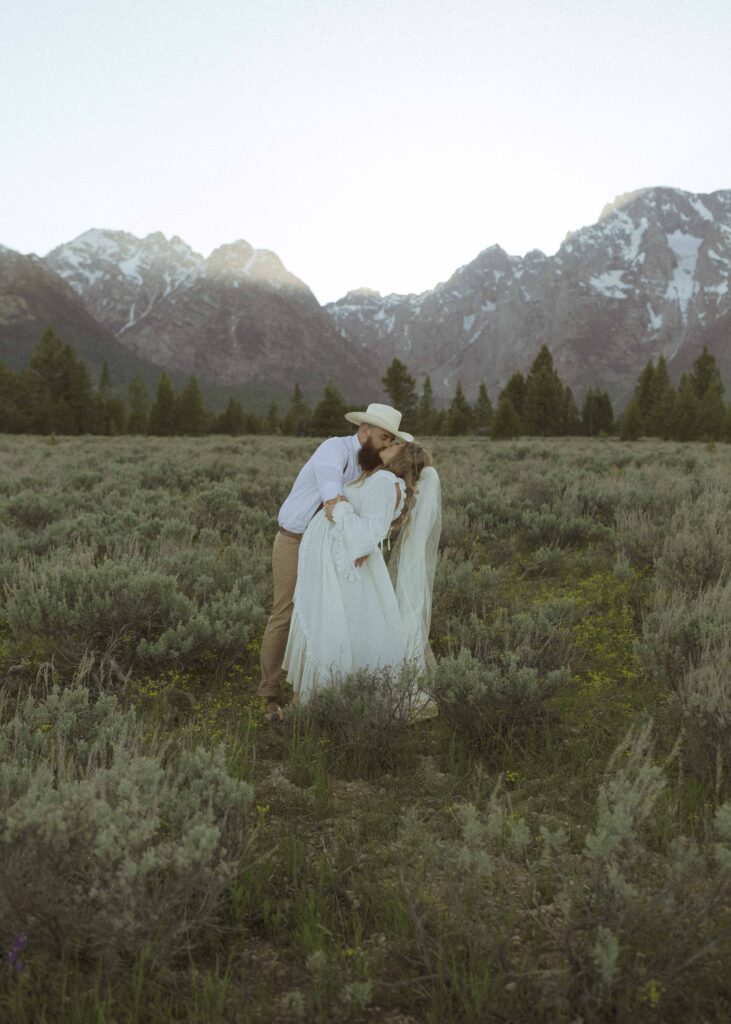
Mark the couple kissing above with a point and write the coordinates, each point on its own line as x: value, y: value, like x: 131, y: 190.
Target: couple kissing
x: 335, y: 608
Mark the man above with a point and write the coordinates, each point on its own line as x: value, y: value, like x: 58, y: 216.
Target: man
x: 319, y: 484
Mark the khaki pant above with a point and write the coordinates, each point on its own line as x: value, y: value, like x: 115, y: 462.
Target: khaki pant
x: 274, y: 641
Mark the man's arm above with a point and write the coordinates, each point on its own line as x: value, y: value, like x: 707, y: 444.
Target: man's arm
x: 328, y: 464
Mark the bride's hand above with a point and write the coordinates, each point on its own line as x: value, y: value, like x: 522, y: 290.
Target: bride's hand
x: 359, y: 561
x: 329, y: 505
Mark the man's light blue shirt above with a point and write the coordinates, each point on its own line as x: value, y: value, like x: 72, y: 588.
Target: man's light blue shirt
x: 323, y: 476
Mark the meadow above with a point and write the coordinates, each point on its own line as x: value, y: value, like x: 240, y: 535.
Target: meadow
x: 553, y: 846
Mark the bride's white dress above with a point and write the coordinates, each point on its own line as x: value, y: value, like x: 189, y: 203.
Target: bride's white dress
x: 346, y: 618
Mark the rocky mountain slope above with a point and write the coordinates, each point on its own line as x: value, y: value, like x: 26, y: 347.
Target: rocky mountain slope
x: 652, y: 276
x: 32, y: 297
x: 237, y: 317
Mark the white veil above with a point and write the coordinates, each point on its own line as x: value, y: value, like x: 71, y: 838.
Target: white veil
x: 413, y: 563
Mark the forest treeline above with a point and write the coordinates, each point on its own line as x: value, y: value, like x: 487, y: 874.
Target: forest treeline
x: 54, y: 394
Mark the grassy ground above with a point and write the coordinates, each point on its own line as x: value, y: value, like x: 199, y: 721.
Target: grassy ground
x: 365, y: 899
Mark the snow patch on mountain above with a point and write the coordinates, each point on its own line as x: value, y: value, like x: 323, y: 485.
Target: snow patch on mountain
x: 655, y: 318
x: 700, y: 208
x: 681, y: 286
x: 636, y: 236
x: 610, y: 284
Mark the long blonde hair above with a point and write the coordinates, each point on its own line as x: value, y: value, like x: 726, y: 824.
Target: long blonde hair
x: 407, y: 463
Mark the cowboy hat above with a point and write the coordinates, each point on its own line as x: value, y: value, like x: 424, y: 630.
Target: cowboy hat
x: 383, y: 416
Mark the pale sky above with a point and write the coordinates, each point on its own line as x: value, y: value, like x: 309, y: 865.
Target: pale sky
x: 369, y: 143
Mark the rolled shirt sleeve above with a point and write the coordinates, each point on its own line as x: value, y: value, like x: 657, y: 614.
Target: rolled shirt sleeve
x: 333, y: 464
x: 327, y: 463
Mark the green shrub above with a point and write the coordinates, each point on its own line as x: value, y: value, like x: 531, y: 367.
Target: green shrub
x: 705, y: 699
x: 31, y: 510
x: 546, y: 561
x: 626, y: 920
x: 365, y: 718
x: 638, y: 536
x: 696, y: 552
x: 222, y: 626
x: 482, y: 702
x: 679, y: 628
x: 537, y: 637
x: 73, y: 605
x: 110, y: 840
x: 461, y: 587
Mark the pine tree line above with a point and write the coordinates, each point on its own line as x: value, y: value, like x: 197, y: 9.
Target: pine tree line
x: 694, y: 411
x: 54, y: 394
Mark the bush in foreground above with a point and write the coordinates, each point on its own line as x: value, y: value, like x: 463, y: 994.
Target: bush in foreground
x: 483, y: 702
x: 365, y: 717
x: 624, y: 921
x: 110, y: 842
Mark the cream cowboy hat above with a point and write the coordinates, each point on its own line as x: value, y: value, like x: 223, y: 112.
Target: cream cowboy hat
x: 383, y: 416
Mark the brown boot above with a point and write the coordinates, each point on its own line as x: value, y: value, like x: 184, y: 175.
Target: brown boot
x: 273, y: 711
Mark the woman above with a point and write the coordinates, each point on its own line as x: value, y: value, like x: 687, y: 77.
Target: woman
x: 347, y: 614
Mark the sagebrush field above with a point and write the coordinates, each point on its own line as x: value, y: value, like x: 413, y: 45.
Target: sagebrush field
x: 553, y: 846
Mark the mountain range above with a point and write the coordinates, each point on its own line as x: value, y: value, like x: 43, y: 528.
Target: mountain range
x: 651, y: 276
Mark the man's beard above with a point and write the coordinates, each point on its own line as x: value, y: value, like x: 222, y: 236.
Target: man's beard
x: 368, y: 457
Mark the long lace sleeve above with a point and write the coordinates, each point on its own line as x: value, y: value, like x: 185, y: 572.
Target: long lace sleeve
x: 355, y: 534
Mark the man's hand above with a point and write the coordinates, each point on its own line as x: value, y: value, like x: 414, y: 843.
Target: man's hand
x: 328, y: 506
x: 359, y: 561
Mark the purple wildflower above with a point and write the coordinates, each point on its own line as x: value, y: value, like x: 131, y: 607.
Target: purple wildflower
x: 21, y: 941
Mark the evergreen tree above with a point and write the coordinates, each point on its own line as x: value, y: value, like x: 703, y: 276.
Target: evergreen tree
x: 61, y: 395
x: 138, y: 404
x: 665, y: 414
x: 705, y: 374
x: 104, y: 381
x: 42, y: 408
x: 15, y: 417
x: 630, y: 427
x: 686, y: 411
x: 597, y: 416
x: 482, y: 412
x: 328, y: 417
x: 401, y: 389
x: 232, y: 420
x: 440, y: 418
x: 425, y: 418
x: 459, y: 418
x: 571, y: 421
x: 116, y: 413
x: 102, y: 421
x: 645, y: 393
x: 110, y: 414
x: 728, y: 423
x: 296, y: 423
x: 505, y: 422
x: 163, y: 414
x: 709, y: 388
x: 79, y: 393
x: 47, y: 363
x: 661, y: 400
x: 254, y: 424
x: 656, y: 398
x: 545, y: 402
x: 271, y: 420
x: 711, y: 424
x: 191, y: 419
x: 515, y: 391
